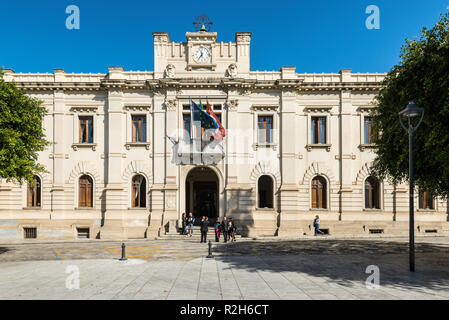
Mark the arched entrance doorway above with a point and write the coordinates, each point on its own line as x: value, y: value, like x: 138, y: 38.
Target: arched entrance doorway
x: 202, y: 197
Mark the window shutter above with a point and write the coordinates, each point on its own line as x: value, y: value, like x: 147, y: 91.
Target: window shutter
x: 89, y: 194
x: 133, y: 129
x: 29, y: 196
x: 81, y: 193
x: 314, y: 195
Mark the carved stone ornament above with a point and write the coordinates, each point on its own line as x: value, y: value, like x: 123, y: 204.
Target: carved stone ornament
x: 170, y: 71
x: 232, y: 71
x: 232, y: 105
x: 170, y: 104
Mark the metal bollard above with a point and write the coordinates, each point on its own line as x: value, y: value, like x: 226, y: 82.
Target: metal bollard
x: 123, y: 258
x: 210, y: 250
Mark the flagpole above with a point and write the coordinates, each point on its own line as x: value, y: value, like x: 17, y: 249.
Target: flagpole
x: 191, y: 124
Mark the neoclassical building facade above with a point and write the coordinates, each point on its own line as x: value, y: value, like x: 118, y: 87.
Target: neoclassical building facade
x: 122, y: 163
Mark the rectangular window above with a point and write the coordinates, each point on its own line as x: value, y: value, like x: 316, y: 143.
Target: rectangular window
x: 83, y: 233
x: 318, y: 130
x: 426, y: 200
x: 368, y: 130
x: 139, y: 129
x: 265, y: 128
x: 30, y: 233
x: 86, y: 130
x: 186, y: 122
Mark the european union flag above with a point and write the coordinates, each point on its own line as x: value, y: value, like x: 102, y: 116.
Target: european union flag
x: 207, y: 122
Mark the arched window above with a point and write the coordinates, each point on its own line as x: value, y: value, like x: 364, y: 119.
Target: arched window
x: 425, y: 200
x: 85, y: 192
x: 319, y: 193
x: 138, y: 196
x: 265, y: 190
x: 34, y: 193
x: 372, y: 193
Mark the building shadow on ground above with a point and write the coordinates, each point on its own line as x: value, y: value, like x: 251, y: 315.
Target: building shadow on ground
x: 344, y: 261
x: 3, y: 250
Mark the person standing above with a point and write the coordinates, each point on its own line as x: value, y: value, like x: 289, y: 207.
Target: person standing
x: 231, y: 230
x: 184, y: 223
x: 217, y: 230
x: 224, y: 229
x: 190, y: 221
x: 316, y: 225
x: 204, y: 226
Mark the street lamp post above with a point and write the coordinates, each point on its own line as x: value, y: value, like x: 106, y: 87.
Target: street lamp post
x: 411, y: 111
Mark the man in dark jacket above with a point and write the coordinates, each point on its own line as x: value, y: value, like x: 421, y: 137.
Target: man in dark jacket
x: 204, y: 225
x: 224, y: 229
x: 184, y: 223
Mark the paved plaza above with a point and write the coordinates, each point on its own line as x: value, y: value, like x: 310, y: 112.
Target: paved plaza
x: 304, y: 269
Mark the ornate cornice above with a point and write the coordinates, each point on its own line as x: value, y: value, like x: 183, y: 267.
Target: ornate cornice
x: 240, y: 85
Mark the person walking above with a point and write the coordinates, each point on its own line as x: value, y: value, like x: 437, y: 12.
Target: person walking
x: 190, y: 221
x: 184, y: 223
x: 316, y: 225
x: 204, y: 226
x: 217, y: 230
x: 224, y: 229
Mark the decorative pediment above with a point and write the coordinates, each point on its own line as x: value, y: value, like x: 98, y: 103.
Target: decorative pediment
x: 265, y: 107
x: 318, y: 109
x: 367, y: 107
x: 84, y: 109
x: 138, y: 107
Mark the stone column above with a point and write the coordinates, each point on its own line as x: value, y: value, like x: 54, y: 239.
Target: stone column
x: 289, y: 193
x: 59, y: 149
x: 114, y: 199
x: 157, y: 191
x: 171, y: 212
x: 347, y: 145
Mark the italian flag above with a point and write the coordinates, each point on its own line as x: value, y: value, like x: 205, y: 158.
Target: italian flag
x: 221, y: 132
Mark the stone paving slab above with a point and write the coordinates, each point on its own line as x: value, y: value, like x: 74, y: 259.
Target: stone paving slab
x: 259, y: 270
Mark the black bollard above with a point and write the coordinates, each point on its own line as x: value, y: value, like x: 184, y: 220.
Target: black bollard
x: 210, y: 250
x: 123, y: 258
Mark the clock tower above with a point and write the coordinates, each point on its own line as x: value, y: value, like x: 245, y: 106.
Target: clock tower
x: 201, y: 56
x: 200, y: 50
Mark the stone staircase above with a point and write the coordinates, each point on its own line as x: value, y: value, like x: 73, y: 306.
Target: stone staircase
x: 195, y: 236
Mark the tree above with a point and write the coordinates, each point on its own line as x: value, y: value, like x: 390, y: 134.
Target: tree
x: 21, y: 133
x: 422, y: 76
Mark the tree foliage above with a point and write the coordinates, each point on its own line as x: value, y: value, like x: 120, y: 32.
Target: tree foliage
x: 421, y: 76
x: 21, y: 133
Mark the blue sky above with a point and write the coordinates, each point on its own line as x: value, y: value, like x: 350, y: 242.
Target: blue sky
x: 315, y: 36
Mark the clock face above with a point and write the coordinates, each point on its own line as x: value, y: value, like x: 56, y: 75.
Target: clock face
x: 201, y: 54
